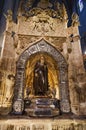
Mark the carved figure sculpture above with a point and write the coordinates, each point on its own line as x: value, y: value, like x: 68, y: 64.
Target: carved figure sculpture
x: 75, y: 20
x: 9, y: 88
x: 40, y: 81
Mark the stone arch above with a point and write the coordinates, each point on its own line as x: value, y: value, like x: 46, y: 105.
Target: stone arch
x: 41, y: 46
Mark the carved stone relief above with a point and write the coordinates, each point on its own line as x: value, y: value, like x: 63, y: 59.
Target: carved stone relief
x: 49, y: 125
x: 6, y: 91
x: 38, y: 127
x: 7, y: 84
x: 25, y: 41
x: 55, y: 41
x: 58, y: 11
x: 42, y: 25
x: 42, y: 46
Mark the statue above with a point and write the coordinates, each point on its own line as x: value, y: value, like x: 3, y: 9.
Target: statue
x: 9, y: 88
x: 40, y: 81
x: 75, y: 20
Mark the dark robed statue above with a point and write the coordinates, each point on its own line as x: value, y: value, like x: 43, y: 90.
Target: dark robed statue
x: 40, y: 81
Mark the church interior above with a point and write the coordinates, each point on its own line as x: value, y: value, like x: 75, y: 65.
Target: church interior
x: 42, y: 65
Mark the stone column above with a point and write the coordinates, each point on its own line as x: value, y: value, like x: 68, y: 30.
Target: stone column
x: 64, y: 91
x: 2, y: 38
x: 77, y: 58
x: 76, y: 66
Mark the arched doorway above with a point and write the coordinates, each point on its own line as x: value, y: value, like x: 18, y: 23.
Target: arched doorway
x: 41, y: 47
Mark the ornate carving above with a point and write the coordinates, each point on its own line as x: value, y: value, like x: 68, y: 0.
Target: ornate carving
x: 56, y: 40
x: 53, y: 125
x: 68, y: 126
x: 42, y: 46
x: 18, y: 106
x: 24, y: 42
x: 9, y: 15
x: 8, y: 90
x: 38, y: 127
x: 65, y: 107
x: 55, y: 10
x: 15, y: 39
x: 75, y: 19
x: 52, y: 74
x: 43, y: 21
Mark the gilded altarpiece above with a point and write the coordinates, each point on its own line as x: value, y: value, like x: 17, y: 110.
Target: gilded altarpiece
x: 42, y: 31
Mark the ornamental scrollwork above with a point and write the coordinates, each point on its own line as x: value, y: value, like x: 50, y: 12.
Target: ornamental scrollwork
x: 53, y: 9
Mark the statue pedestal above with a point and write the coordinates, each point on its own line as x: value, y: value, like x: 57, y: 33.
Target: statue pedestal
x: 42, y: 107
